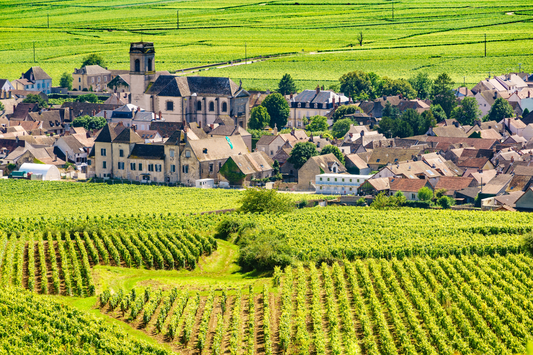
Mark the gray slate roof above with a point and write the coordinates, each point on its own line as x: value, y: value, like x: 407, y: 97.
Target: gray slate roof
x: 148, y: 151
x: 174, y: 86
x: 38, y: 74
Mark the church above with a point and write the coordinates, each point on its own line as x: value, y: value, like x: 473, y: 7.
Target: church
x: 184, y: 98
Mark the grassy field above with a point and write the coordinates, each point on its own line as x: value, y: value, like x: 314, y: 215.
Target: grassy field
x: 423, y: 36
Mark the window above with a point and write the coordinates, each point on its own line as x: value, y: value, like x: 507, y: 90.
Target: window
x: 121, y: 153
x: 104, y: 165
x: 271, y: 152
x: 320, y: 187
x: 103, y: 152
x: 210, y: 168
x: 132, y: 166
x: 99, y: 78
x: 342, y: 180
x: 105, y: 78
x: 211, y: 106
x: 79, y: 80
x: 38, y: 86
x: 89, y: 162
x: 413, y: 196
x: 137, y: 65
x: 170, y: 106
x: 335, y: 179
x: 172, y: 153
x: 187, y: 154
x: 350, y: 189
x: 199, y: 106
x: 224, y: 107
x: 120, y: 165
x: 219, y: 165
x: 92, y: 79
x: 149, y: 66
x: 185, y: 169
x: 350, y: 180
x: 328, y: 179
x: 150, y: 167
x: 173, y: 168
x: 158, y: 167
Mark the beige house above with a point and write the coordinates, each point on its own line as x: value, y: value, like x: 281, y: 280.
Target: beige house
x: 327, y: 163
x: 203, y: 158
x: 311, y: 103
x: 269, y: 144
x: 91, y: 78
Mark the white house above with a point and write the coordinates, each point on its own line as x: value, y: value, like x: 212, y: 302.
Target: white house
x: 339, y: 184
x: 47, y: 172
x: 35, y: 79
x: 5, y: 89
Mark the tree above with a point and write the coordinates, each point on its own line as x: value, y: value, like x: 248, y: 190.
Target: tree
x: 445, y: 202
x: 93, y: 59
x: 528, y: 241
x: 358, y: 84
x: 333, y: 149
x: 259, y: 118
x: 390, y: 111
x: 382, y: 201
x: 422, y: 84
x: 387, y: 127
x: 397, y: 87
x: 92, y: 98
x: 344, y: 110
x: 400, y: 198
x: 264, y: 201
x: 89, y: 123
x: 360, y: 39
x: 442, y: 93
x: 425, y: 194
x: 416, y: 121
x: 301, y: 153
x: 440, y: 192
x: 403, y: 129
x: 317, y: 124
x: 66, y: 81
x: 525, y: 112
x: 341, y: 127
x: 275, y: 168
x: 33, y: 98
x: 278, y: 109
x: 468, y: 112
x: 429, y: 119
x: 2, y: 107
x: 500, y: 109
x: 438, y: 113
x: 286, y: 85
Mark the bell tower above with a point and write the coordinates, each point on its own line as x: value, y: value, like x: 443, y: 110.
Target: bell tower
x: 142, y: 71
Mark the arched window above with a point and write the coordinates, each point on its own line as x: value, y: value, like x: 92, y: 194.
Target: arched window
x: 137, y: 65
x: 211, y: 106
x: 149, y: 66
x: 224, y: 107
x: 199, y: 106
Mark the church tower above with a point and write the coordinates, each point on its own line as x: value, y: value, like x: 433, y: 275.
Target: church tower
x: 142, y: 72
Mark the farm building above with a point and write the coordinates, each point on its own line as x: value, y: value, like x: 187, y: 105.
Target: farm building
x: 47, y: 172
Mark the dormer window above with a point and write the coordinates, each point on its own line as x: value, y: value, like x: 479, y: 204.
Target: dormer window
x: 299, y: 104
x: 51, y: 124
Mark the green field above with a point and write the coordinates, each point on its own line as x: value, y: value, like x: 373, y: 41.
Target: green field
x: 424, y: 35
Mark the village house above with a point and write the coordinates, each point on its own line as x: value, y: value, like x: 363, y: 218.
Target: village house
x: 380, y: 157
x: 409, y: 187
x: 339, y: 184
x: 241, y: 168
x: 321, y: 164
x: 269, y: 144
x: 35, y: 79
x: 311, y: 103
x: 91, y: 78
x: 374, y: 186
x: 5, y: 89
x: 408, y: 170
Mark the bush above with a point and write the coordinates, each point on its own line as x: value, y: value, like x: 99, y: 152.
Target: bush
x: 261, y: 201
x: 361, y: 202
x: 425, y: 194
x: 528, y: 241
x: 383, y: 201
x: 264, y: 251
x: 445, y: 202
x: 226, y: 227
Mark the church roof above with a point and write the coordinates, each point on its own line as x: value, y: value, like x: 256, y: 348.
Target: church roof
x: 174, y: 86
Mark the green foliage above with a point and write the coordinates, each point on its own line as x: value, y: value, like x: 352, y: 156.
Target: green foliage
x: 439, y: 193
x: 264, y: 201
x: 341, y: 127
x: 335, y: 151
x: 343, y: 110
x: 528, y: 241
x: 500, y: 109
x: 390, y: 111
x: 2, y: 107
x: 301, y: 153
x: 425, y: 194
x: 66, y: 81
x: 278, y: 109
x: 93, y: 59
x: 11, y: 166
x: 232, y: 173
x: 33, y: 98
x: 286, y: 85
x: 361, y: 202
x: 400, y: 198
x: 422, y: 84
x: 442, y: 93
x: 259, y: 118
x: 445, y: 202
x: 438, y: 113
x: 317, y: 123
x: 92, y: 98
x: 467, y: 112
x: 382, y: 201
x: 409, y: 123
x: 525, y: 112
x: 258, y: 133
x: 227, y: 227
x: 391, y: 87
x: 275, y: 168
x: 265, y: 250
x: 89, y: 123
x: 360, y: 85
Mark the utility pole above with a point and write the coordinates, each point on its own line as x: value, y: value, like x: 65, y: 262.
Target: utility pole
x: 178, y: 20
x: 464, y: 81
x: 485, y: 44
x: 245, y: 54
x: 34, y: 52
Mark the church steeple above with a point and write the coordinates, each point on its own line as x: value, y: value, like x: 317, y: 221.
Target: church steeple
x: 142, y: 71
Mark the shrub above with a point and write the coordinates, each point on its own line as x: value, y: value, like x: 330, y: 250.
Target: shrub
x: 445, y: 202
x: 261, y: 201
x: 425, y: 194
x: 528, y: 241
x: 264, y: 251
x: 361, y: 202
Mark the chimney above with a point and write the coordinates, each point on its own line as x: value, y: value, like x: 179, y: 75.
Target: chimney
x: 134, y: 127
x: 160, y: 115
x: 362, y: 133
x: 14, y: 108
x: 105, y: 114
x: 317, y: 89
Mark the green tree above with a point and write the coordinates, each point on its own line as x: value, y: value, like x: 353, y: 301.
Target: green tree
x: 422, y: 84
x: 528, y: 243
x: 425, y: 194
x: 275, y: 168
x: 500, y: 109
x: 400, y: 198
x: 333, y: 149
x: 403, y: 129
x: 317, y: 124
x: 92, y: 98
x: 388, y: 127
x: 259, y: 118
x: 341, y: 127
x: 397, y: 87
x: 525, y: 112
x: 301, y: 153
x: 445, y: 202
x: 382, y: 201
x: 415, y: 120
x: 442, y: 93
x: 278, y: 109
x: 286, y: 85
x: 34, y: 98
x: 429, y: 119
x: 438, y: 113
x: 358, y: 84
x: 343, y: 110
x: 66, y: 81
x: 468, y: 112
x: 89, y: 123
x: 390, y: 111
x: 264, y: 201
x: 93, y: 59
x: 2, y: 107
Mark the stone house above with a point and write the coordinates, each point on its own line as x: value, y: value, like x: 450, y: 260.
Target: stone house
x: 311, y: 103
x: 5, y: 89
x: 243, y: 167
x: 269, y: 144
x: 327, y: 163
x: 91, y: 78
x: 409, y: 187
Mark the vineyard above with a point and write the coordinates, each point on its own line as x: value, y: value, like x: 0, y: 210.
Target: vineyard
x: 61, y: 264
x: 421, y: 305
